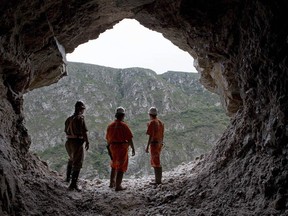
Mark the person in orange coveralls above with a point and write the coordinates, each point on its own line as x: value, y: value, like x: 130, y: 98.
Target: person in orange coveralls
x: 155, y: 130
x: 119, y: 138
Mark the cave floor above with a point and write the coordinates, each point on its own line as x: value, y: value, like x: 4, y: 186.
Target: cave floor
x: 189, y: 189
x: 49, y: 195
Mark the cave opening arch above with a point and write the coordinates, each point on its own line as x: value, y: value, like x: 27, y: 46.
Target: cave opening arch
x: 193, y: 117
x: 33, y: 56
x: 241, y: 47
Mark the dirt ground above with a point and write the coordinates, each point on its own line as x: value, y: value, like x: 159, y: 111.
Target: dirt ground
x: 96, y: 198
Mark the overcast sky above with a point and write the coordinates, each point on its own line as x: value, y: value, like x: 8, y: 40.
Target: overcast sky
x: 130, y: 44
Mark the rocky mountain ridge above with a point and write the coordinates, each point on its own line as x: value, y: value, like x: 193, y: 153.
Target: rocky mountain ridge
x: 178, y: 95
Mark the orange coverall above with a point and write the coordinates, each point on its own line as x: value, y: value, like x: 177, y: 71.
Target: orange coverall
x: 155, y: 129
x: 118, y: 137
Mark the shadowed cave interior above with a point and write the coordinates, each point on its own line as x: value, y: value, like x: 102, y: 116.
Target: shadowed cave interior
x: 240, y: 48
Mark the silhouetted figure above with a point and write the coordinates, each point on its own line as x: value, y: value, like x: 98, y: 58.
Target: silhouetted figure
x: 155, y: 130
x: 76, y: 132
x: 119, y: 138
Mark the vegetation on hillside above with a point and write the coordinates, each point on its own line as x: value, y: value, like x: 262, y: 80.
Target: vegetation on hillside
x: 193, y: 117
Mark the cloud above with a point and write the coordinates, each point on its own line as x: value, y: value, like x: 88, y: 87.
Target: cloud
x: 130, y: 44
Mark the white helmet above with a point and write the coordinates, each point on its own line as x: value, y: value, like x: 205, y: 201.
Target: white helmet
x: 152, y: 111
x: 120, y: 110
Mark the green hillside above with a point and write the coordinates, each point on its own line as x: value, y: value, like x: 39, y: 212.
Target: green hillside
x: 193, y: 117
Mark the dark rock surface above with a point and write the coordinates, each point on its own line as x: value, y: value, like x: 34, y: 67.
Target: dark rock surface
x: 241, y: 51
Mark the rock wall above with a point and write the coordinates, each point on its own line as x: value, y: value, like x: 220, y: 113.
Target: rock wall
x: 240, y: 50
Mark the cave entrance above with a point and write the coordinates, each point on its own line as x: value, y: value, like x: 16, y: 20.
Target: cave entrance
x: 193, y: 117
x: 129, y: 44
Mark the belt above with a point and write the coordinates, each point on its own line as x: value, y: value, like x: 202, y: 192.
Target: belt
x: 154, y: 142
x: 74, y: 137
x: 119, y: 142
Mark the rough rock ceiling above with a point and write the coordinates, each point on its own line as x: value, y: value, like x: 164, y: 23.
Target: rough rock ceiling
x: 37, y: 36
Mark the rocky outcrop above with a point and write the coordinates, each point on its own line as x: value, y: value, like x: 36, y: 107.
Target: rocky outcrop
x: 240, y: 50
x: 191, y: 112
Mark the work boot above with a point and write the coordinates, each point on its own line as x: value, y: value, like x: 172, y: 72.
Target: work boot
x: 158, y: 175
x: 112, y: 178
x: 73, y: 184
x: 119, y: 178
x: 68, y: 173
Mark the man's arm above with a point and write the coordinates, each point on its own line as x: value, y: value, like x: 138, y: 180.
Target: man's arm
x: 84, y: 133
x: 86, y: 141
x: 132, y: 146
x: 148, y: 144
x: 109, y: 151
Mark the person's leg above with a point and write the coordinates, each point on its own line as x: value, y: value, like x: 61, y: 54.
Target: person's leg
x: 70, y: 160
x: 119, y: 178
x: 155, y: 151
x: 73, y: 185
x: 77, y: 163
x: 122, y: 164
x: 68, y: 171
x: 158, y: 175
x: 112, y: 178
